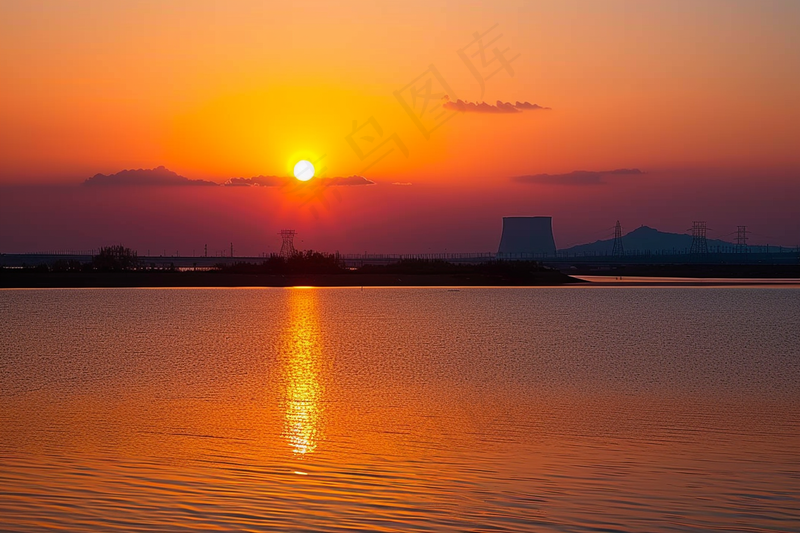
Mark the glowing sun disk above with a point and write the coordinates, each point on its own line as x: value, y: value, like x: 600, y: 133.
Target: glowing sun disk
x: 304, y: 170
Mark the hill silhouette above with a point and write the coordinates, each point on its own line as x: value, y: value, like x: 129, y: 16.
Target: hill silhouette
x: 646, y: 238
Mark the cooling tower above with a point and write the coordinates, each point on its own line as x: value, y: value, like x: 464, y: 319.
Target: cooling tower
x: 527, y: 235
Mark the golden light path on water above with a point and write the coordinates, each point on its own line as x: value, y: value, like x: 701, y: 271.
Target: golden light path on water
x: 399, y: 409
x: 302, y: 359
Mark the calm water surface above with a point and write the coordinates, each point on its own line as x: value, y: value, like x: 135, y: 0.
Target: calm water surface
x: 565, y: 409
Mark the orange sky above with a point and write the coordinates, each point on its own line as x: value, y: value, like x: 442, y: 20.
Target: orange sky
x: 247, y: 88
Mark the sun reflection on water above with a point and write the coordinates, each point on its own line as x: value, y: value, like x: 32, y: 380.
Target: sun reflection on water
x: 302, y: 362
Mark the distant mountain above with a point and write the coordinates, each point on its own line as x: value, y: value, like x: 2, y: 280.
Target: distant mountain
x: 646, y: 238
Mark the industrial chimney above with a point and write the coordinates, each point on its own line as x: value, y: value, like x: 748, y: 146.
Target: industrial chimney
x: 527, y: 236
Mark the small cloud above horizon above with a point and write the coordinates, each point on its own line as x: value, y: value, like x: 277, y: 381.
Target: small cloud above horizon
x: 577, y: 177
x: 499, y: 108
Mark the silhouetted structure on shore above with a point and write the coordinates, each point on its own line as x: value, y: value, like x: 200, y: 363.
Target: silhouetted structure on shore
x: 618, y: 249
x: 527, y: 235
x: 699, y: 240
x: 287, y: 246
x: 741, y: 239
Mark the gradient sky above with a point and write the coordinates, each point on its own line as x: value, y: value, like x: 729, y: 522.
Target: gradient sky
x: 702, y: 96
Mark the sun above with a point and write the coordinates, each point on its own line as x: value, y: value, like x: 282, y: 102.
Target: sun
x: 304, y: 170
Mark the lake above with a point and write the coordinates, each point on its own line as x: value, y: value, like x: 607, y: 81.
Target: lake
x: 400, y: 409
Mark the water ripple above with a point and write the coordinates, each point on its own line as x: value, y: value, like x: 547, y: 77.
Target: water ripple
x: 400, y: 410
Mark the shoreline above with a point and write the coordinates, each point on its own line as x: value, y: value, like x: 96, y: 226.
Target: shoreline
x: 647, y: 281
x: 189, y: 280
x: 66, y: 280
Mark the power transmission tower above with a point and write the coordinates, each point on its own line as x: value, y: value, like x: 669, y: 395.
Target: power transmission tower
x: 618, y: 250
x: 287, y: 248
x: 699, y: 241
x: 741, y: 239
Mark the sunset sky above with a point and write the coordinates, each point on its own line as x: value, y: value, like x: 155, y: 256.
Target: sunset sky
x: 701, y: 96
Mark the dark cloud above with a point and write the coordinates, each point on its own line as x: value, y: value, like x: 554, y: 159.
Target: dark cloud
x: 529, y: 106
x: 161, y: 176
x: 158, y: 176
x: 498, y: 108
x: 578, y: 177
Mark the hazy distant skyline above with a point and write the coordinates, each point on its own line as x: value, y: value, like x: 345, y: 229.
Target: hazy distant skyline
x: 354, y: 218
x: 699, y: 96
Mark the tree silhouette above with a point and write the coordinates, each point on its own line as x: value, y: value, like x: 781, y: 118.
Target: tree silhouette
x: 115, y: 259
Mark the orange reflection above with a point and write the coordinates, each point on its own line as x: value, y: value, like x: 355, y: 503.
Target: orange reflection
x: 301, y: 367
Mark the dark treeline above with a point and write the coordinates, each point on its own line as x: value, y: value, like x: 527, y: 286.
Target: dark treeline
x: 309, y: 267
x: 311, y: 262
x: 115, y: 258
x: 118, y: 258
x: 308, y: 262
x: 438, y: 266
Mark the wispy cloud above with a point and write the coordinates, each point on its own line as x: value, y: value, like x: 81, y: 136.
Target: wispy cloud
x: 158, y: 176
x: 498, y: 108
x: 257, y: 181
x: 578, y: 177
x: 276, y: 181
x: 347, y: 181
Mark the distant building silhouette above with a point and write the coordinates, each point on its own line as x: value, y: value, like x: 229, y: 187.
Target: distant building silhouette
x: 527, y: 235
